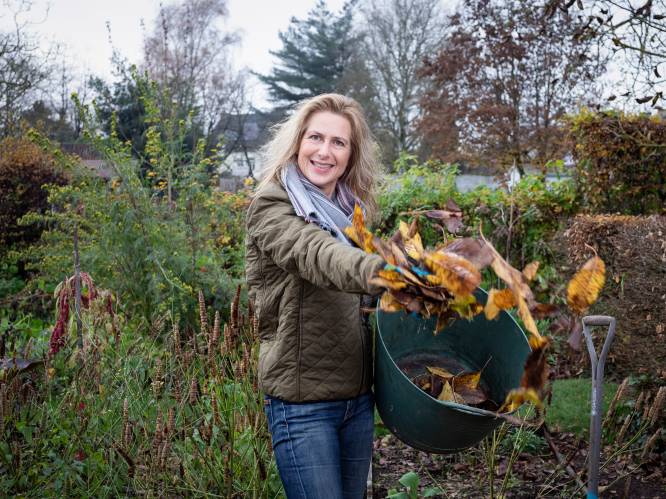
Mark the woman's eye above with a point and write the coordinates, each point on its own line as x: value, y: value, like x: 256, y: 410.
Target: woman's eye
x: 339, y: 143
x: 314, y: 136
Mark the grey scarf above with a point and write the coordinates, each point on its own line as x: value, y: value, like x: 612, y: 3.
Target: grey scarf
x: 315, y: 207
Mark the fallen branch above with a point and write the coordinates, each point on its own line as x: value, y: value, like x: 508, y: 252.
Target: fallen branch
x: 560, y: 459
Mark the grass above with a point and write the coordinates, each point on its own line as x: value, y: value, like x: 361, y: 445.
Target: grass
x: 570, y: 407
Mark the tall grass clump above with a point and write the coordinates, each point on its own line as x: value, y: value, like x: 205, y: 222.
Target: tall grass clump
x: 150, y: 413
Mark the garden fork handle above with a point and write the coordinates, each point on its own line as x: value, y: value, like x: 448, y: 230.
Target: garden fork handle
x: 597, y: 394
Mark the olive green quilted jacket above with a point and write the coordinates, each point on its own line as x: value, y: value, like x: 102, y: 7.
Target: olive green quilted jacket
x: 306, y: 286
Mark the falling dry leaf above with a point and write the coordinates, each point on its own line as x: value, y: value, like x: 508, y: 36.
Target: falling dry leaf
x: 388, y: 303
x: 454, y: 272
x: 498, y: 300
x: 518, y: 397
x: 583, y: 290
x: 474, y: 250
x: 466, y: 306
x: 543, y: 310
x: 530, y: 271
x: 358, y: 233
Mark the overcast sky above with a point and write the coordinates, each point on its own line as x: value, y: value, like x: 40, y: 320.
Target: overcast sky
x: 80, y: 25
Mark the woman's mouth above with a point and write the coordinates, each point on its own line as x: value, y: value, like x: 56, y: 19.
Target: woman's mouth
x: 321, y: 166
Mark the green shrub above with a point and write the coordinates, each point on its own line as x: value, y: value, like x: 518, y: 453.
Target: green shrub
x: 520, y: 223
x: 154, y: 236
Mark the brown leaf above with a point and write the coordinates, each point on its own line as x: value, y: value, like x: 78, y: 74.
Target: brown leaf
x: 472, y: 397
x: 543, y: 310
x: 499, y: 300
x: 385, y: 250
x: 536, y: 365
x: 576, y: 335
x: 412, y: 240
x: 20, y: 364
x: 451, y: 219
x: 474, y: 250
x: 583, y: 289
x: 439, y: 371
x: 399, y: 255
x: 409, y: 301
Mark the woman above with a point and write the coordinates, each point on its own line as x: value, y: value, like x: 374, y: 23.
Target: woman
x: 306, y: 280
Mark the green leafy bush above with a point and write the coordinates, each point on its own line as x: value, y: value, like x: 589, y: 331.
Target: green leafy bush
x: 153, y: 235
x: 519, y: 222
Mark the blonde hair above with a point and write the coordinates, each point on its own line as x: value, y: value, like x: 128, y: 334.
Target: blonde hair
x: 363, y: 168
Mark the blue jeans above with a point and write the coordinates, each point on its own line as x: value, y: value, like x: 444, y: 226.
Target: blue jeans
x: 322, y: 449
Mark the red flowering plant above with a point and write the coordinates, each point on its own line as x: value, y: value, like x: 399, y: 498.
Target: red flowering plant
x: 65, y: 294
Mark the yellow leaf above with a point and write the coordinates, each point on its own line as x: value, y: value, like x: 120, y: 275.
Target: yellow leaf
x: 467, y: 381
x: 448, y: 395
x: 389, y: 304
x: 438, y: 371
x: 388, y: 284
x: 358, y: 232
x: 414, y: 247
x: 518, y: 397
x: 583, y: 290
x: 457, y: 274
x: 466, y: 306
x: 530, y: 270
x: 499, y: 300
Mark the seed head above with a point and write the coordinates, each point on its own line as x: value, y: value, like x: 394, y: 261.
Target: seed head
x: 192, y: 398
x: 618, y: 396
x: 658, y: 403
x: 202, y: 314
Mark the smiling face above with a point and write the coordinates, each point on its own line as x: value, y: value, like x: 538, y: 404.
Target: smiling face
x: 325, y: 149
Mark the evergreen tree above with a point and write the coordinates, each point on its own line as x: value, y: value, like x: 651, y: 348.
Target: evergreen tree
x: 314, y: 54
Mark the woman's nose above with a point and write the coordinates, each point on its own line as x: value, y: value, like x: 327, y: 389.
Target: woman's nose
x: 324, y: 149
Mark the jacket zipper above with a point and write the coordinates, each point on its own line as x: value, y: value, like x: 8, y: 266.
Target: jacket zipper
x: 362, y: 333
x: 298, y: 342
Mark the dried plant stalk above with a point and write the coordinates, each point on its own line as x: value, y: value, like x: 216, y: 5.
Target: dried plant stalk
x: 157, y: 379
x: 176, y: 340
x: 234, y: 310
x: 171, y: 420
x: 216, y: 327
x: 623, y: 430
x: 618, y: 396
x: 202, y: 315
x: 216, y: 410
x: 646, y: 408
x: 192, y: 396
x: 658, y: 403
x: 649, y: 444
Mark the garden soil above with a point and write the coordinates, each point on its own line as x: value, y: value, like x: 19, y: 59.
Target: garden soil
x: 533, y: 474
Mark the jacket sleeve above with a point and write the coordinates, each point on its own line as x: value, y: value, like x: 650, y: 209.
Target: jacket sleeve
x: 306, y: 250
